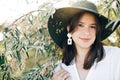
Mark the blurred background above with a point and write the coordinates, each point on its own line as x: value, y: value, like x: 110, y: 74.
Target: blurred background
x: 27, y: 51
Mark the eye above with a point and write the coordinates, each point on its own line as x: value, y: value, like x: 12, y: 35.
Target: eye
x: 80, y: 25
x: 93, y: 26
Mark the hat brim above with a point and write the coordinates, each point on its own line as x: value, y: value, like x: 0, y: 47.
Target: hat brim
x: 58, y: 23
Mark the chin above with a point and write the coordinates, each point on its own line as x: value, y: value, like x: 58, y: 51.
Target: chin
x: 85, y: 46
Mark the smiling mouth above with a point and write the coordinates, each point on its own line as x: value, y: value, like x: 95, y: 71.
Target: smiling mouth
x: 85, y: 39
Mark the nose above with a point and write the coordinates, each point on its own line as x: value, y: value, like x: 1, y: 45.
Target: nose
x: 86, y: 31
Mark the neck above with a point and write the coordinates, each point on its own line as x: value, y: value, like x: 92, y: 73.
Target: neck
x: 81, y: 54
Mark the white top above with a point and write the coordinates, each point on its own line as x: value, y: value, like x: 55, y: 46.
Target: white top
x: 107, y: 69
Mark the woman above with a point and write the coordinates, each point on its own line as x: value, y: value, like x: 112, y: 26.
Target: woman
x: 79, y: 30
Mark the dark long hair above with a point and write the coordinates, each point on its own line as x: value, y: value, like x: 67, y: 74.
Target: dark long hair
x: 96, y: 51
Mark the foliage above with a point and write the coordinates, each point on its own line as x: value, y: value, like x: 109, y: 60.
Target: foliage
x: 28, y: 36
x: 111, y: 9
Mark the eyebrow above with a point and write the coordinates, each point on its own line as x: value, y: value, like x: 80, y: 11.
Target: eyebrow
x: 90, y: 24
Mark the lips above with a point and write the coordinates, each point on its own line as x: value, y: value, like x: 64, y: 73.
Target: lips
x: 85, y: 39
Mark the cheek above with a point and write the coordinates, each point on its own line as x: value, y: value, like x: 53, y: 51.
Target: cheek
x: 93, y: 35
x: 75, y: 35
x: 93, y: 32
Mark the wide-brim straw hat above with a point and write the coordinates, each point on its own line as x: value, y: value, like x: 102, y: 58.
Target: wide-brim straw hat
x: 58, y: 22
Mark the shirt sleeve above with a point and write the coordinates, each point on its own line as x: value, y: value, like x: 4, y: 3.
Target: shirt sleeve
x: 114, y: 53
x: 117, y: 63
x: 58, y: 67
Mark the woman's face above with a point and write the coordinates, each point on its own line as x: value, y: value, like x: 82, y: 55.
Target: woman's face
x: 84, y: 33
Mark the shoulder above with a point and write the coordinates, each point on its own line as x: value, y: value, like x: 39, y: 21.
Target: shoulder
x: 112, y: 53
x: 113, y: 58
x: 111, y: 50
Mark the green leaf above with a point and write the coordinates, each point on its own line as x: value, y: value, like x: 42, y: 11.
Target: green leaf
x: 2, y: 59
x: 111, y: 22
x: 38, y: 65
x: 116, y: 22
x: 18, y: 55
x: 5, y: 43
x: 36, y: 52
x: 114, y: 11
x: 109, y: 10
x: 8, y: 76
x: 42, y: 53
x: 31, y: 19
x: 26, y: 52
x: 107, y: 6
x: 118, y: 4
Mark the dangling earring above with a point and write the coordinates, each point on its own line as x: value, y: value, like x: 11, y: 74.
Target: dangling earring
x: 69, y: 41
